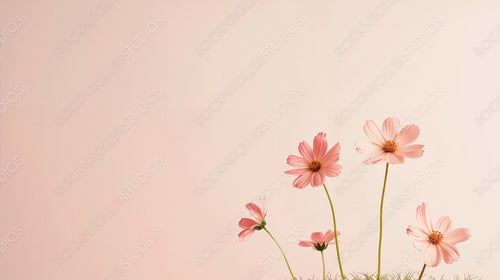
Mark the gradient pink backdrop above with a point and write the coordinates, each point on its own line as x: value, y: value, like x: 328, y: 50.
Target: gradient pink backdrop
x: 133, y: 133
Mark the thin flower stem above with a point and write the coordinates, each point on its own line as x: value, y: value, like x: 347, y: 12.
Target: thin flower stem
x: 422, y: 273
x: 283, y: 253
x: 323, y: 259
x: 381, y: 211
x: 335, y: 232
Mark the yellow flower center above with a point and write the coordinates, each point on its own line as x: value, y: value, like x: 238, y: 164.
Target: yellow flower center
x: 390, y: 146
x: 314, y: 165
x: 435, y: 237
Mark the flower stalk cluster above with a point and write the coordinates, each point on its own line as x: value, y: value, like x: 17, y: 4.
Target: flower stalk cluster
x: 390, y: 145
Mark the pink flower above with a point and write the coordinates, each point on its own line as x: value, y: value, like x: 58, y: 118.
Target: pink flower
x: 249, y: 226
x: 319, y: 241
x: 389, y: 145
x: 315, y: 163
x: 436, y: 242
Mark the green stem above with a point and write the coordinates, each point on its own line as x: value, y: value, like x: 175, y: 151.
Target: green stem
x: 323, y: 259
x: 381, y: 211
x: 283, y: 253
x: 335, y: 232
x: 422, y: 273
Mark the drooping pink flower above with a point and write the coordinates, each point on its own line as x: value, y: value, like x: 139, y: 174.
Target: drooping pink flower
x: 436, y: 242
x: 319, y: 241
x: 257, y: 222
x: 315, y: 163
x: 389, y: 145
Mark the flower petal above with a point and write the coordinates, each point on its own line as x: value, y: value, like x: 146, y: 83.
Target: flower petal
x: 457, y: 235
x: 330, y: 235
x: 331, y: 170
x: 450, y: 252
x: 320, y: 145
x: 424, y: 218
x: 297, y: 172
x: 444, y: 224
x: 317, y: 237
x: 255, y: 211
x: 297, y: 161
x: 373, y: 132
x: 303, y: 180
x: 306, y: 243
x: 421, y: 246
x: 433, y: 256
x: 366, y: 147
x: 247, y: 223
x: 332, y: 155
x: 390, y: 128
x: 245, y: 234
x: 407, y: 135
x: 376, y: 158
x: 412, y: 151
x: 317, y: 179
x: 417, y: 234
x: 395, y: 158
x: 306, y: 151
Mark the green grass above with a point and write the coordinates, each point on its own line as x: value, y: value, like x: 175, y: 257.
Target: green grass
x: 399, y: 276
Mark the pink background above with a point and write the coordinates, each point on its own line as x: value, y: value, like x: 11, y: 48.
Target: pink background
x: 133, y: 133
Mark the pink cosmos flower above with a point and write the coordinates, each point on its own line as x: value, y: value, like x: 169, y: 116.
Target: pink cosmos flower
x: 319, y: 241
x: 436, y: 242
x: 389, y: 145
x: 315, y: 163
x: 249, y: 226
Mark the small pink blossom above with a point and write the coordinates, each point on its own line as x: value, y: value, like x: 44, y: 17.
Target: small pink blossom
x: 319, y: 241
x: 390, y: 145
x: 436, y: 242
x: 315, y: 163
x: 257, y: 222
